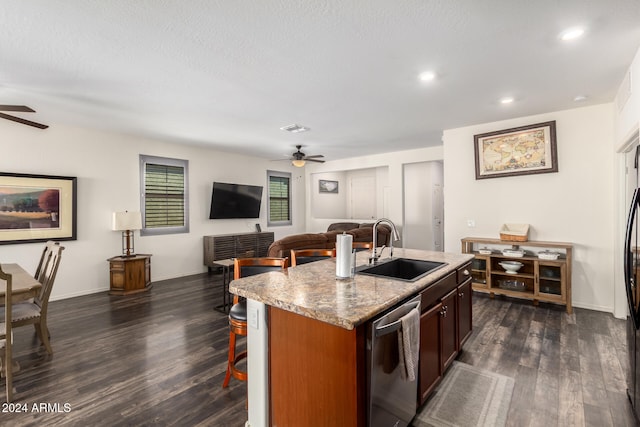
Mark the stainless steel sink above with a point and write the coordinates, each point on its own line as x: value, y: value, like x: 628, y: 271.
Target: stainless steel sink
x: 405, y: 269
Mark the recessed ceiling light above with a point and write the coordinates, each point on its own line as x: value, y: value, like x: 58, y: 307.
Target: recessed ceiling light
x: 571, y: 33
x: 506, y: 100
x: 294, y: 128
x: 580, y: 98
x: 427, y: 76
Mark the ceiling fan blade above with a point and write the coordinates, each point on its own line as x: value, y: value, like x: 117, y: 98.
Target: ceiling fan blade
x: 23, y: 121
x: 314, y: 160
x: 21, y: 108
x: 314, y: 156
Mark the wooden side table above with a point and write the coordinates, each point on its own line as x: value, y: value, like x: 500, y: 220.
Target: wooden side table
x: 130, y: 274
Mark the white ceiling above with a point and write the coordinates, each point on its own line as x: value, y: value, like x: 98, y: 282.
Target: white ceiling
x: 229, y: 73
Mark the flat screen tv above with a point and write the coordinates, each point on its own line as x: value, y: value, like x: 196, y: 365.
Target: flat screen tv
x: 235, y: 201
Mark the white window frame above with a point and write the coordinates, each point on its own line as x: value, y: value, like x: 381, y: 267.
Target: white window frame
x: 164, y: 161
x: 278, y: 174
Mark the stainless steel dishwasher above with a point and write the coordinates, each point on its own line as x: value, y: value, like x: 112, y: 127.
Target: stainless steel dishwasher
x: 391, y: 399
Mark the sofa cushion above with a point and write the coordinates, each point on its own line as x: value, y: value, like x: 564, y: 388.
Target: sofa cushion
x: 342, y: 226
x: 282, y: 248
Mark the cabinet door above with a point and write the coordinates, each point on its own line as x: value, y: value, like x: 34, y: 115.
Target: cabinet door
x: 448, y: 328
x: 430, y: 369
x: 464, y: 312
x: 552, y: 280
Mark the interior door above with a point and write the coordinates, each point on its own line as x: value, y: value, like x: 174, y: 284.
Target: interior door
x: 437, y: 207
x: 363, y: 197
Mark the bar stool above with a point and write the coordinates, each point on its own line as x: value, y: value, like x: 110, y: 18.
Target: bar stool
x: 303, y: 256
x: 245, y: 267
x: 359, y: 246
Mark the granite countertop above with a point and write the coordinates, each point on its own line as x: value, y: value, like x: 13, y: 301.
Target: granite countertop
x: 312, y: 289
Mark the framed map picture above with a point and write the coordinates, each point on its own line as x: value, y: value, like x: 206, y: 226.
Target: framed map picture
x: 519, y: 151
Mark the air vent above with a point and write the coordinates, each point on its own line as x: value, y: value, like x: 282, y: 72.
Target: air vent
x: 294, y: 128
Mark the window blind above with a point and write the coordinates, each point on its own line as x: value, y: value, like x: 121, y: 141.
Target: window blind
x: 279, y: 199
x: 164, y: 196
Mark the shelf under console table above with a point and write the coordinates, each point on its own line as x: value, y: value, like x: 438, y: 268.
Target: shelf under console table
x: 547, y: 280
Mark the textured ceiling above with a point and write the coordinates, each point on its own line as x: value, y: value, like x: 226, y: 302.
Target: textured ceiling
x: 228, y: 74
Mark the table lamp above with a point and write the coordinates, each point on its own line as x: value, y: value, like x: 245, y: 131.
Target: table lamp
x: 127, y: 222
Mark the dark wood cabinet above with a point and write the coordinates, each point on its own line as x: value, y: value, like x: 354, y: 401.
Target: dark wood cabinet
x: 430, y: 370
x: 129, y: 275
x: 449, y: 328
x: 445, y: 324
x: 465, y: 293
x: 238, y: 245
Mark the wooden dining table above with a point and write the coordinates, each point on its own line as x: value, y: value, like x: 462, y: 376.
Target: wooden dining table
x: 24, y: 285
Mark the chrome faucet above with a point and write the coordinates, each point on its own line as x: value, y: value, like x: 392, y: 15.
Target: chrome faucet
x: 394, y: 237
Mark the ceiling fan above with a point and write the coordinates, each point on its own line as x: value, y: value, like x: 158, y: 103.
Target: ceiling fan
x: 21, y: 109
x: 298, y: 159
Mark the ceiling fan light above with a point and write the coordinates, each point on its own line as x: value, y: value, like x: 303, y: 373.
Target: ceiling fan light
x: 298, y: 163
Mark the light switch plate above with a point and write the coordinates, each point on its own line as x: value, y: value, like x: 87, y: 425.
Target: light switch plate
x: 252, y: 317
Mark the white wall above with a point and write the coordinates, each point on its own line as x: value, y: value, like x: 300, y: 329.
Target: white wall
x: 573, y: 205
x: 389, y: 169
x: 107, y: 169
x: 627, y: 122
x: 329, y: 205
x: 629, y: 117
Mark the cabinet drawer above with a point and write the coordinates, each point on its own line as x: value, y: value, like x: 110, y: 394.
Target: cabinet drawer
x: 433, y: 293
x: 463, y: 273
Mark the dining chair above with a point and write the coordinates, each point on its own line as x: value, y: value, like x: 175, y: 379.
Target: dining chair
x: 6, y: 339
x: 35, y: 312
x: 359, y: 246
x: 44, y: 258
x: 303, y: 256
x: 245, y: 267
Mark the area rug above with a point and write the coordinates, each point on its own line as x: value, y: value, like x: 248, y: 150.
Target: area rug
x: 468, y: 397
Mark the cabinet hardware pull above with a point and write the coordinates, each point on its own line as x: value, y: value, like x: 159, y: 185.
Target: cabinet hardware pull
x: 465, y: 272
x: 461, y: 294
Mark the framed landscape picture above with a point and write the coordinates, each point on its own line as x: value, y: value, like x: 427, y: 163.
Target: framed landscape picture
x: 518, y: 151
x: 36, y: 208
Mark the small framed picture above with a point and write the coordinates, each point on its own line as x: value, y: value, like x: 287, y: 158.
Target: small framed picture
x: 327, y: 186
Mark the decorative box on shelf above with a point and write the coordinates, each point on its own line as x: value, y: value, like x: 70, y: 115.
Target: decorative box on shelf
x: 540, y: 277
x: 514, y: 232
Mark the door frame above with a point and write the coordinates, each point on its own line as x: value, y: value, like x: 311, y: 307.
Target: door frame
x: 620, y: 308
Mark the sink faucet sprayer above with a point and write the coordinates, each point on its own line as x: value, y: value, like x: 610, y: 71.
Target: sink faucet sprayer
x: 394, y: 237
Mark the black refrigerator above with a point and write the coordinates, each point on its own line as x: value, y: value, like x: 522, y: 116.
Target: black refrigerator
x: 632, y: 284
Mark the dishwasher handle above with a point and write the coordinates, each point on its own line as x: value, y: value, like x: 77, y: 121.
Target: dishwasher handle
x: 382, y: 330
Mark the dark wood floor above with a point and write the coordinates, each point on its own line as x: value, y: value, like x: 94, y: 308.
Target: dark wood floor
x: 569, y: 370
x: 159, y: 359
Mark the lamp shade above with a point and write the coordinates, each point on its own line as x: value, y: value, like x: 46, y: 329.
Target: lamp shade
x: 127, y: 221
x: 298, y: 163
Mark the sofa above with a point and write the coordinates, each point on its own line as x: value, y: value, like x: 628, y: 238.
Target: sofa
x: 327, y: 240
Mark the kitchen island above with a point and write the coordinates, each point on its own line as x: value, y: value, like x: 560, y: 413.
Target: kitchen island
x: 307, y: 335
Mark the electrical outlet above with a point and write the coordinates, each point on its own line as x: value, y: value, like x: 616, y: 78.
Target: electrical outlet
x: 471, y: 223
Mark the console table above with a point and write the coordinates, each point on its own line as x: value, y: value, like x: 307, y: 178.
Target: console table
x: 538, y: 279
x: 130, y: 274
x: 237, y: 245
